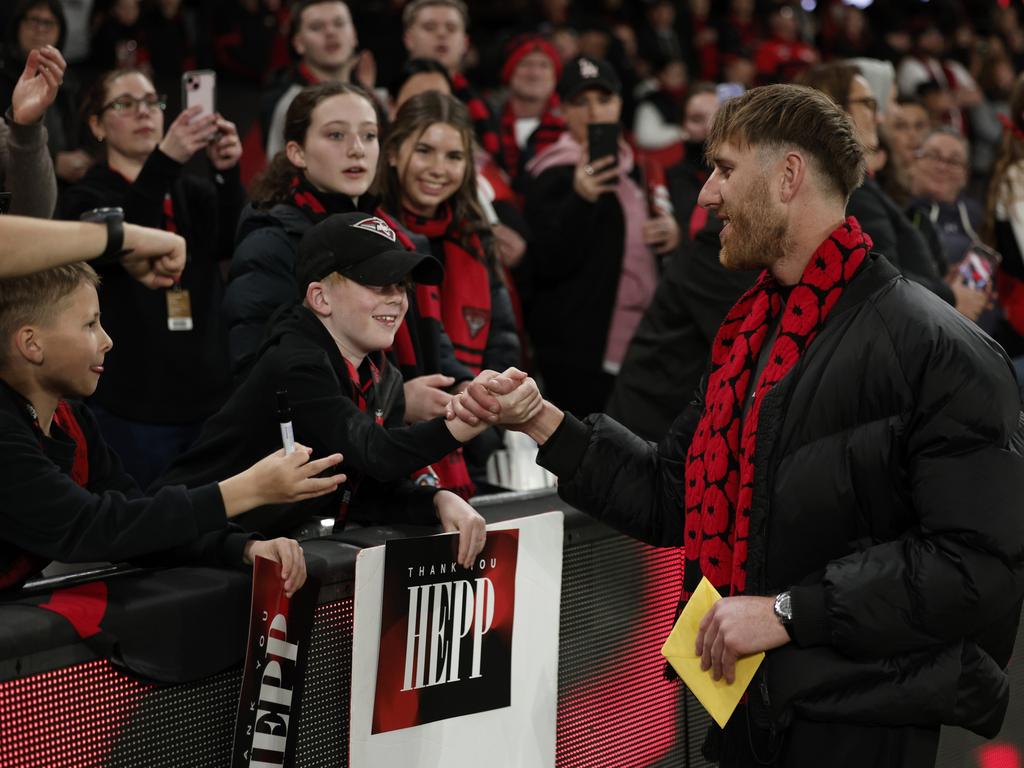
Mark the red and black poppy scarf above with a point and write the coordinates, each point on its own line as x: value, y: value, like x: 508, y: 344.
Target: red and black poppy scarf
x: 720, y: 463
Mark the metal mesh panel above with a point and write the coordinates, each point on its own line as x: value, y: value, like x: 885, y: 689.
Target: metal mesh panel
x: 91, y: 714
x: 323, y: 737
x: 614, y: 705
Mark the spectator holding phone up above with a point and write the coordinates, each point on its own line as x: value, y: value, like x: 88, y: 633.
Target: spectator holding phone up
x: 169, y: 369
x: 590, y: 272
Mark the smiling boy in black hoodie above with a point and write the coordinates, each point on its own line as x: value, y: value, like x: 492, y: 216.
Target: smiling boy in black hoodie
x: 328, y: 355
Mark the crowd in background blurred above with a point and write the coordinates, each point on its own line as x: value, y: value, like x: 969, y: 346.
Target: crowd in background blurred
x: 597, y: 273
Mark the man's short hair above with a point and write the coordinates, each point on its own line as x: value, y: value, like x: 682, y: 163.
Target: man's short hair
x: 413, y: 8
x: 299, y: 8
x: 36, y: 299
x: 794, y: 116
x: 953, y: 133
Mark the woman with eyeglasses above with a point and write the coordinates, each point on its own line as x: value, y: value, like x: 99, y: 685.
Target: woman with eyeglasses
x: 169, y: 369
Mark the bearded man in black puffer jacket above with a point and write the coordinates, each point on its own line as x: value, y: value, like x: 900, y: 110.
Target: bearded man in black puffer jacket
x: 850, y: 475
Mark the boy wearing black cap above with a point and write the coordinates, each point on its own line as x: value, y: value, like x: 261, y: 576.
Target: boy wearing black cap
x: 328, y: 355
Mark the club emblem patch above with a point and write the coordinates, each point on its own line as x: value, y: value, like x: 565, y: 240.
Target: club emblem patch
x: 476, y: 319
x: 377, y: 226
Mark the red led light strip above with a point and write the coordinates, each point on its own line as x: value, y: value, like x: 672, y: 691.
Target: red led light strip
x: 67, y: 717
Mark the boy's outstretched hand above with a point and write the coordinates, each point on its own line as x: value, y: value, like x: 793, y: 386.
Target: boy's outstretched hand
x: 280, y: 479
x: 457, y: 515
x: 288, y: 553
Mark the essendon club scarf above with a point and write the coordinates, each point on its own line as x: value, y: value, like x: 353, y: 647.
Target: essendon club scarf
x: 719, y: 475
x: 466, y: 290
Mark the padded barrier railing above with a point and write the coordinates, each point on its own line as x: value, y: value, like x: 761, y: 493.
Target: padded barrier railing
x: 63, y: 705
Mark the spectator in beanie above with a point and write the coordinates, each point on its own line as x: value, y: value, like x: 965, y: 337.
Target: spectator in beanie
x: 530, y: 121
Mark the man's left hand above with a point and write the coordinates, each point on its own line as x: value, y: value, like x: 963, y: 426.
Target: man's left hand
x: 735, y: 627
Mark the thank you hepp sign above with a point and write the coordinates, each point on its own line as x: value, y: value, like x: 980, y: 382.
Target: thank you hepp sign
x: 446, y: 631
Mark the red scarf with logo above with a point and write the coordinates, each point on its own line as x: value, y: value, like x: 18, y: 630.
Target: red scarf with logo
x: 466, y: 290
x: 719, y: 475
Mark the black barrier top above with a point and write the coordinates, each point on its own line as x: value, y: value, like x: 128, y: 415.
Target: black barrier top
x: 185, y: 623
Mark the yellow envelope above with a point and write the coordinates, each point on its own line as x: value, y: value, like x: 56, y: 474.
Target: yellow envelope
x: 718, y: 697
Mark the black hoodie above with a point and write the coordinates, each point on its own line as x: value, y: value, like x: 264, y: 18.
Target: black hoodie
x: 301, y: 357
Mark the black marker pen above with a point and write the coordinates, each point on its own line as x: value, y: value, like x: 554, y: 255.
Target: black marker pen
x: 284, y: 417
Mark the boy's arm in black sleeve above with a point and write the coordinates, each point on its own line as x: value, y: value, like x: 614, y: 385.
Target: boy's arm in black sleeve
x: 43, y: 511
x: 326, y: 419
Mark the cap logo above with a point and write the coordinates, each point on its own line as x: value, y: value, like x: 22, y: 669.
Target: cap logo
x: 377, y: 226
x: 588, y: 69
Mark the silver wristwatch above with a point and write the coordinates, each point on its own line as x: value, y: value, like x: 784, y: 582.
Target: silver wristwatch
x: 783, y: 608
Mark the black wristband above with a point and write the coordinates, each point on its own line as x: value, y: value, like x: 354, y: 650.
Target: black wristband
x: 114, y: 219
x: 115, y: 237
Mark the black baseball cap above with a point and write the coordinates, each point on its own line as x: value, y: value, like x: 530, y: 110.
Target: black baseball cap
x: 361, y: 247
x: 584, y: 72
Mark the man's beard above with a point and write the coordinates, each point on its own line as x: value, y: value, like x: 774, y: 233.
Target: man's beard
x: 757, y: 236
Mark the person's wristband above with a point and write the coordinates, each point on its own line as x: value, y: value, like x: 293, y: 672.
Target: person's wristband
x: 115, y: 237
x: 114, y: 219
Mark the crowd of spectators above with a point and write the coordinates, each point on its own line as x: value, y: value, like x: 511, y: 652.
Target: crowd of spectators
x: 468, y: 129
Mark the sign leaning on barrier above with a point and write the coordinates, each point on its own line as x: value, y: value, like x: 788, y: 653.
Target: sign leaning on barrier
x: 275, y: 665
x: 448, y: 662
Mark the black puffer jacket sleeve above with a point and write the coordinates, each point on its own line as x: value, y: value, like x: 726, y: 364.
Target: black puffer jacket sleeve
x: 261, y: 279
x: 611, y: 474
x: 958, y: 572
x: 43, y: 511
x: 328, y: 422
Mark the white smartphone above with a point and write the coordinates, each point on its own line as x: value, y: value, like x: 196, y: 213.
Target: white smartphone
x: 199, y: 87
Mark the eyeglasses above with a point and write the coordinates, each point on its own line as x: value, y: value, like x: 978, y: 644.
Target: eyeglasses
x: 41, y: 23
x: 949, y: 162
x: 125, y: 104
x: 868, y: 101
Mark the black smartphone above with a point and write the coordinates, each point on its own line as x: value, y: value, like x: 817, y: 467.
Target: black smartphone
x: 603, y: 140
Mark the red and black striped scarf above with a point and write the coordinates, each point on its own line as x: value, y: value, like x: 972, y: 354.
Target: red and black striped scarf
x: 719, y: 475
x: 513, y: 158
x: 479, y: 113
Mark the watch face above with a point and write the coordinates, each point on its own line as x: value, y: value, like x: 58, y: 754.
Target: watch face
x: 783, y: 608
